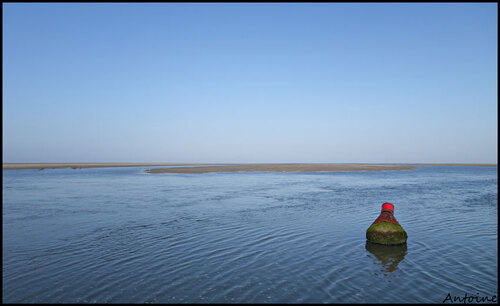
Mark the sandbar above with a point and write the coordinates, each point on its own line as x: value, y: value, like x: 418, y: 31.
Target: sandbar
x: 233, y: 167
x: 41, y: 166
x: 281, y: 168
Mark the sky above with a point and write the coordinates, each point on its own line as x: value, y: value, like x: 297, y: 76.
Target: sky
x: 250, y: 82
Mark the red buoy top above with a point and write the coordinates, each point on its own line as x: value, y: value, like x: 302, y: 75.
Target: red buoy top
x: 387, y: 214
x: 388, y: 206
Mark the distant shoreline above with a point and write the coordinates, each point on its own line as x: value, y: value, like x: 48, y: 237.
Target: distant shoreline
x: 281, y: 168
x: 232, y: 167
x: 17, y: 166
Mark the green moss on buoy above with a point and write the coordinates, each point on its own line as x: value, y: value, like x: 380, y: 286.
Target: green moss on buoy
x: 386, y: 233
x: 386, y: 229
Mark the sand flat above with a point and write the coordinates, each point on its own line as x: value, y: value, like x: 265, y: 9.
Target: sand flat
x: 12, y: 166
x: 282, y: 168
x: 233, y: 167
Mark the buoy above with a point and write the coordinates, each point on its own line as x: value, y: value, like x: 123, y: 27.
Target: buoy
x: 386, y: 229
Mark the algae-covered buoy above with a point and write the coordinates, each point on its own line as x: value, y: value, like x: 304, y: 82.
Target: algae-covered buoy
x: 386, y: 229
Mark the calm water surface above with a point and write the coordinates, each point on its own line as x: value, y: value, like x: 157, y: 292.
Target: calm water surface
x: 116, y: 235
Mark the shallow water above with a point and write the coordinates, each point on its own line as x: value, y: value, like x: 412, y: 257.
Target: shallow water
x: 122, y: 235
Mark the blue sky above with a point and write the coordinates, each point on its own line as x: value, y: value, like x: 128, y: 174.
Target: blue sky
x: 296, y: 82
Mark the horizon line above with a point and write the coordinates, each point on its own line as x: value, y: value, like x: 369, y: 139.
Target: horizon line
x: 76, y: 165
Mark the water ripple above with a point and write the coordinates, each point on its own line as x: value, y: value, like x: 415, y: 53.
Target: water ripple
x: 117, y: 237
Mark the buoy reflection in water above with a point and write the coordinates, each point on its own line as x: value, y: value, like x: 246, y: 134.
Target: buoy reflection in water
x: 388, y: 256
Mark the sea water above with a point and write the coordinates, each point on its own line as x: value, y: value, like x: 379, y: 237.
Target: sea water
x: 112, y: 235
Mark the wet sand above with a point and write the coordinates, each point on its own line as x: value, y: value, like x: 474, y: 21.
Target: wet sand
x: 12, y: 166
x: 282, y: 168
x: 232, y: 167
